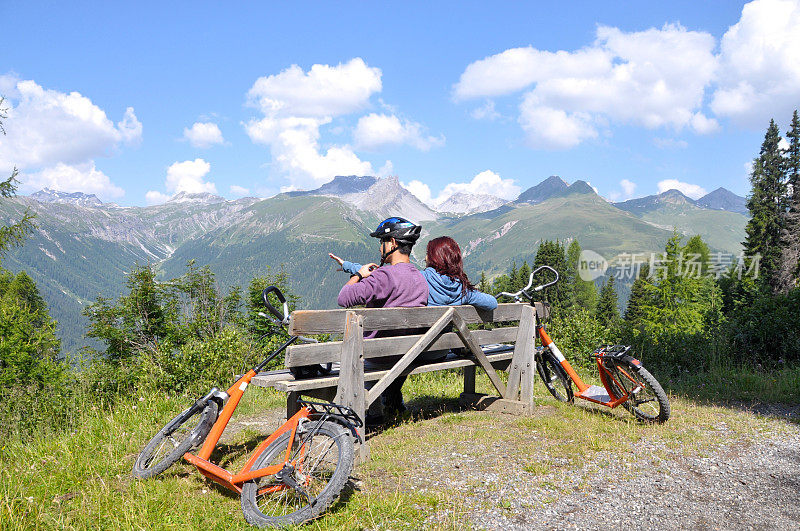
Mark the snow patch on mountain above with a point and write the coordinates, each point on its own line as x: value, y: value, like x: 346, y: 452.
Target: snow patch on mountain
x: 49, y: 195
x: 466, y: 203
x: 204, y: 198
x: 494, y: 236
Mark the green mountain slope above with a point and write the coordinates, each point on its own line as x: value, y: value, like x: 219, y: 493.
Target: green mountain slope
x: 490, y: 243
x: 296, y: 233
x: 722, y: 230
x: 79, y: 253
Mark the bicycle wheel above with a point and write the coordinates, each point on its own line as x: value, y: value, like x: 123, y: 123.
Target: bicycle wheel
x: 554, y: 377
x: 648, y: 402
x: 181, y: 434
x: 321, y: 463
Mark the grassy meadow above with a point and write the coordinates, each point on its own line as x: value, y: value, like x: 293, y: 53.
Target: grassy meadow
x: 434, y: 469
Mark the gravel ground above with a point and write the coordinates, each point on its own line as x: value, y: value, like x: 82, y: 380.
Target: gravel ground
x: 744, y: 482
x: 747, y: 481
x: 756, y: 487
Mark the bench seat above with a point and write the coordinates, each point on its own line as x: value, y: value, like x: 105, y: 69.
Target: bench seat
x: 284, y: 380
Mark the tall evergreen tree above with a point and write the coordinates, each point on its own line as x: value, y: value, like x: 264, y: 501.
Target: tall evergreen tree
x: 552, y: 253
x: 582, y: 294
x: 640, y: 297
x: 28, y: 344
x: 12, y: 235
x: 512, y: 277
x: 607, y: 308
x: 790, y: 238
x: 483, y: 285
x: 523, y: 275
x: 766, y: 204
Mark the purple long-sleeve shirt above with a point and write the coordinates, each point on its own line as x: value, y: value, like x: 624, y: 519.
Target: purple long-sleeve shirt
x: 390, y: 286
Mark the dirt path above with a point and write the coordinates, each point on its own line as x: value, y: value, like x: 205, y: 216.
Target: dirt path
x: 742, y: 487
x: 714, y: 468
x: 570, y: 468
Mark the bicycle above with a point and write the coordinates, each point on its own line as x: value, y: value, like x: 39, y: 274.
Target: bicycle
x: 292, y: 476
x: 625, y: 380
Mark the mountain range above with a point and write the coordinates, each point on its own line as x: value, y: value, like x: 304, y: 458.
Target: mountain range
x: 83, y: 248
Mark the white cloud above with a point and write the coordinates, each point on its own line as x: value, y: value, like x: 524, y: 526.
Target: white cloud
x: 517, y: 68
x: 421, y: 190
x: 239, y: 191
x: 295, y: 148
x: 154, y: 197
x: 386, y: 170
x: 486, y: 182
x: 203, y: 135
x: 46, y: 127
x: 377, y: 130
x: 656, y: 78
x: 628, y: 187
x: 702, y: 124
x: 189, y: 176
x: 692, y: 190
x: 759, y: 75
x: 84, y: 177
x: 670, y: 143
x: 653, y: 78
x: 550, y: 128
x: 324, y: 91
x: 296, y: 104
x: 485, y: 112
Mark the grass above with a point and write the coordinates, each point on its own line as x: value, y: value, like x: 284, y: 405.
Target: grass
x: 433, y: 470
x: 734, y: 383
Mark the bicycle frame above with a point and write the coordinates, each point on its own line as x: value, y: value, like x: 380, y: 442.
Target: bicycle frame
x: 223, y: 476
x: 592, y: 393
x: 234, y: 395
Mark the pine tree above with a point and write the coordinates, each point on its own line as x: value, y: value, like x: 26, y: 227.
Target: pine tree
x: 790, y: 237
x: 523, y: 275
x: 512, y: 277
x: 582, y: 294
x: 552, y: 253
x: 639, y: 297
x: 12, y: 235
x: 607, y: 308
x: 766, y: 204
x: 483, y: 285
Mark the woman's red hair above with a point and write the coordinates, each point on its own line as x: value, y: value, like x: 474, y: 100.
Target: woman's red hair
x: 444, y: 255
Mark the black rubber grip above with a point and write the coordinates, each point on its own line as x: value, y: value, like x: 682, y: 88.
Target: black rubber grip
x: 274, y: 311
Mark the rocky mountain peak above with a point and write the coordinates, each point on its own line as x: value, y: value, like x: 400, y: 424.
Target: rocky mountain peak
x: 346, y: 184
x: 203, y: 197
x: 675, y: 197
x: 579, y: 187
x: 49, y: 195
x: 550, y: 187
x: 386, y: 197
x: 724, y: 199
x: 466, y: 203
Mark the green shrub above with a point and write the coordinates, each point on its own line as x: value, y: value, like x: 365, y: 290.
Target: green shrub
x: 767, y: 330
x: 577, y: 333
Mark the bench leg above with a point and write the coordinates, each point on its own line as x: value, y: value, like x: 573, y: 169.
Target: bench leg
x: 469, y: 380
x: 292, y: 406
x: 351, y: 391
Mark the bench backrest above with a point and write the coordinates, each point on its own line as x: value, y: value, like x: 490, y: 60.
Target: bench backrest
x: 308, y: 322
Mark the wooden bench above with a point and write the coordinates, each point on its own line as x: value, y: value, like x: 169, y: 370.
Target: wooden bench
x: 447, y: 328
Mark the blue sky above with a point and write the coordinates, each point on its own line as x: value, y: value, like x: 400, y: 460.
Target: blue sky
x: 138, y: 101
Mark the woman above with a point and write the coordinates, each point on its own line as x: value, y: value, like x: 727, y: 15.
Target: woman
x: 448, y: 284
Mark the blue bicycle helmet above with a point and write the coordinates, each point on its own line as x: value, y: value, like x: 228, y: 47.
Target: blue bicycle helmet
x: 400, y: 229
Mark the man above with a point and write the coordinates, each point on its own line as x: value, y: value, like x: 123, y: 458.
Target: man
x: 392, y: 284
